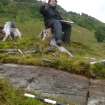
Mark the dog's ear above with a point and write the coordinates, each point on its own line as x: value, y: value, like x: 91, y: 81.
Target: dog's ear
x: 41, y: 35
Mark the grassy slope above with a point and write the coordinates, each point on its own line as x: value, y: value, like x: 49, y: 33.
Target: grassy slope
x: 83, y: 45
x: 86, y: 43
x: 83, y: 40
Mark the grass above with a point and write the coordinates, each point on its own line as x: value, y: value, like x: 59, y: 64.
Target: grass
x: 11, y: 96
x: 83, y: 45
x: 76, y: 65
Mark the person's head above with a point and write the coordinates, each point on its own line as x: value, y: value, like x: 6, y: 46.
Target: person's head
x: 52, y: 2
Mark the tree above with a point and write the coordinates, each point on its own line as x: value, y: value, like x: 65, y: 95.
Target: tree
x: 100, y: 34
x: 4, y: 2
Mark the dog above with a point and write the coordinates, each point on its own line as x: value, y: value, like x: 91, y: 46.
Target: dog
x: 10, y: 31
x: 47, y: 36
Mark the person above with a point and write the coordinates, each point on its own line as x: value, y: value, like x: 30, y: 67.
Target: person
x: 53, y: 19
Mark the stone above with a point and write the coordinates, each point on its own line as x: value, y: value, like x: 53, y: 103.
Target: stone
x: 97, y: 92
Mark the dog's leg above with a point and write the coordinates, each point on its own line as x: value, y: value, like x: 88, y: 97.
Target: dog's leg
x: 17, y: 33
x: 5, y: 37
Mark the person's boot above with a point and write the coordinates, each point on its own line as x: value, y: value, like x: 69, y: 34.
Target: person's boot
x: 59, y: 42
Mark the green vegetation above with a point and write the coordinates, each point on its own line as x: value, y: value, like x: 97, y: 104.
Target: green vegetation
x: 89, y: 23
x: 85, y: 21
x: 84, y: 44
x: 100, y: 34
x: 11, y: 96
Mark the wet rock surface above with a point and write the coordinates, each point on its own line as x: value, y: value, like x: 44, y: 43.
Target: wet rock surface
x: 97, y: 92
x: 62, y: 86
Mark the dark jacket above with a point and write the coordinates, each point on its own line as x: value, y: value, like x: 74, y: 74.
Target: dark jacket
x: 49, y: 12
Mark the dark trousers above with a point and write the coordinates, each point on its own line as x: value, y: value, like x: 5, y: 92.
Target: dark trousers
x: 61, y: 30
x: 66, y: 28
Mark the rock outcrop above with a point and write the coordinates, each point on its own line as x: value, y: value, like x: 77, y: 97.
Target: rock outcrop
x: 57, y: 84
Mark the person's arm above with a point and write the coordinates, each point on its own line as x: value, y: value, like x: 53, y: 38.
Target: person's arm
x: 62, y: 19
x: 66, y: 21
x: 59, y: 15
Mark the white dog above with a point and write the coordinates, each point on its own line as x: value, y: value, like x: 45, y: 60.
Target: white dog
x: 46, y: 34
x: 10, y: 31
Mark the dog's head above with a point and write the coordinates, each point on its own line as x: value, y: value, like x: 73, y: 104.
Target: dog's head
x: 46, y: 34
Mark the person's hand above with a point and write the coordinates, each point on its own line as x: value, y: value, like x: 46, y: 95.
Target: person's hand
x: 43, y: 2
x: 66, y: 21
